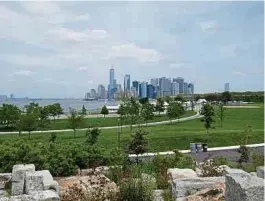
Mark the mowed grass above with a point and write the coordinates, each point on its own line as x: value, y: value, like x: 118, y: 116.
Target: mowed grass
x: 177, y: 135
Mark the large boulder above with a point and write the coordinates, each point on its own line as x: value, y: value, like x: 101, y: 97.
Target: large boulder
x: 243, y: 187
x: 33, y: 182
x: 37, y: 196
x: 4, y: 178
x: 186, y: 186
x: 48, y: 182
x: 260, y: 171
x: 177, y: 173
x: 18, y: 177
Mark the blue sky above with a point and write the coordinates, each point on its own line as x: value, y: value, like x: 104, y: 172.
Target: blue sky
x: 63, y: 49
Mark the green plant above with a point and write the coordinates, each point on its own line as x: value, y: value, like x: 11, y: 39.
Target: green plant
x: 160, y: 105
x: 208, y: 114
x: 75, y: 120
x: 244, y: 154
x: 104, y: 111
x: 92, y: 135
x: 53, y: 137
x: 147, y: 112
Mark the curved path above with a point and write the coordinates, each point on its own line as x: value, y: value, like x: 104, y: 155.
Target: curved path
x: 196, y: 116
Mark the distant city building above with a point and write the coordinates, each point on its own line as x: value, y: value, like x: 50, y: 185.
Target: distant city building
x: 3, y: 97
x: 87, y: 96
x: 119, y: 88
x: 165, y: 86
x: 127, y: 85
x: 133, y: 92
x: 185, y: 88
x: 175, y: 88
x: 101, y: 92
x: 93, y: 93
x: 180, y: 80
x: 190, y: 88
x: 112, y: 84
x: 226, y: 86
x: 150, y: 91
x: 12, y: 96
x: 135, y: 84
x: 143, y: 90
x: 154, y: 82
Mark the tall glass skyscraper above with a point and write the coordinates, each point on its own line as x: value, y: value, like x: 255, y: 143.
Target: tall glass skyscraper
x: 127, y: 85
x: 111, y: 78
x: 180, y: 80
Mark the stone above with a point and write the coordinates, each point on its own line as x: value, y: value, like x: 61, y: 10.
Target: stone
x: 260, y: 171
x: 253, y: 174
x: 48, y: 182
x: 183, y: 187
x: 33, y: 182
x: 158, y: 195
x: 3, y: 193
x: 4, y: 198
x: 4, y: 178
x: 233, y: 171
x: 244, y: 187
x: 18, y: 177
x: 21, y: 198
x: 176, y: 173
x: 47, y: 195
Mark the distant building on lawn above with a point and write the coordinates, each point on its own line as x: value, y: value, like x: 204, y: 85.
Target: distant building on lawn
x: 227, y: 87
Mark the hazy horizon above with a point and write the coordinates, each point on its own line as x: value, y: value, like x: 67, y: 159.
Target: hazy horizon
x: 64, y: 49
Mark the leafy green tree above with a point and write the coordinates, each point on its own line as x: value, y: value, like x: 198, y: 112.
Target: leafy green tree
x: 179, y: 98
x: 226, y: 96
x: 160, y: 105
x: 84, y: 110
x: 104, y: 111
x: 147, y: 112
x: 55, y: 110
x: 19, y: 125
x: 138, y: 144
x: 122, y: 112
x: 133, y: 110
x: 43, y: 120
x: 208, y: 115
x: 174, y: 110
x: 143, y: 100
x: 29, y: 122
x: 9, y: 115
x: 221, y: 113
x: 168, y: 99
x: 33, y: 108
x: 75, y: 120
x: 53, y: 137
x: 92, y: 135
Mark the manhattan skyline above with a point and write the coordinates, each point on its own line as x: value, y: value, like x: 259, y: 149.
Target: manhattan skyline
x: 62, y: 49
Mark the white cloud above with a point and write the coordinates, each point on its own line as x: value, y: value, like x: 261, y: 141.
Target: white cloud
x: 24, y: 72
x: 228, y: 50
x: 238, y: 73
x: 209, y: 26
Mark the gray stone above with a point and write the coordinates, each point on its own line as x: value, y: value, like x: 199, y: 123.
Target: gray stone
x: 260, y: 171
x: 20, y: 198
x: 185, y: 186
x: 243, y: 187
x: 3, y: 193
x: 48, y: 182
x: 47, y: 195
x: 177, y: 173
x: 233, y: 171
x: 18, y: 177
x: 4, y: 199
x: 33, y: 182
x: 158, y: 195
x: 253, y: 174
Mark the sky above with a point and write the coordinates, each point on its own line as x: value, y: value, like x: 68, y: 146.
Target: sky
x: 64, y: 49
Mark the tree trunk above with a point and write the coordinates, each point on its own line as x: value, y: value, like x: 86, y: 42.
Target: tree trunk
x: 19, y: 133
x: 74, y: 133
x: 29, y: 135
x: 53, y: 118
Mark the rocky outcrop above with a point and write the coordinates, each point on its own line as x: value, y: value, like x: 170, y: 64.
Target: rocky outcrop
x: 260, y: 171
x: 244, y: 187
x: 26, y: 184
x: 177, y: 173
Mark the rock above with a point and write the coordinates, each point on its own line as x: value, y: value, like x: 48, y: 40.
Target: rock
x: 4, y: 198
x: 186, y: 186
x: 33, y: 182
x: 244, y: 187
x: 47, y: 195
x: 158, y: 195
x: 3, y: 193
x: 48, y: 182
x: 18, y: 177
x: 216, y: 193
x: 233, y: 171
x: 21, y: 198
x: 253, y: 174
x: 176, y: 173
x: 260, y: 171
x: 4, y: 178
x: 198, y: 172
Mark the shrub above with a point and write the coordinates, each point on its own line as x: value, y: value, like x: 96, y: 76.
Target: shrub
x: 210, y: 168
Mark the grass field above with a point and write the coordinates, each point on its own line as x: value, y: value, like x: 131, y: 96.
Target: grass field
x: 178, y: 135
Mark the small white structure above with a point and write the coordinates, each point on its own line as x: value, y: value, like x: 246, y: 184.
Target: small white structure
x: 113, y: 108
x: 200, y: 101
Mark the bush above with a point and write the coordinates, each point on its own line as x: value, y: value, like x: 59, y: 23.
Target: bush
x: 210, y: 168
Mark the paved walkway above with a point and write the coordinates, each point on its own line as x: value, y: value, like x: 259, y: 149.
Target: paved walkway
x: 196, y: 116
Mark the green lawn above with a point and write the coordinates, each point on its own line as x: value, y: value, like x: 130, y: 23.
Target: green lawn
x: 178, y: 135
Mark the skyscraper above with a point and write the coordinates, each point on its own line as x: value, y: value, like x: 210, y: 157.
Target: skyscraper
x: 111, y: 78
x: 143, y: 90
x: 135, y: 84
x: 101, y: 92
x: 165, y: 86
x: 154, y: 82
x: 190, y: 88
x: 226, y: 86
x: 150, y: 91
x: 180, y: 80
x: 127, y: 85
x: 175, y: 88
x: 185, y: 88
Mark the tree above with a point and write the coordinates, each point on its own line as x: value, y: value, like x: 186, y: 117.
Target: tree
x: 9, y: 115
x: 160, y: 105
x: 92, y: 135
x: 75, y: 120
x: 138, y: 144
x: 143, y: 100
x: 133, y: 109
x: 179, y: 98
x: 84, y: 110
x: 122, y: 111
x: 33, y: 108
x: 221, y: 113
x: 104, y: 111
x: 55, y: 110
x: 43, y: 120
x: 174, y: 110
x: 19, y: 125
x: 168, y: 99
x: 29, y: 122
x: 226, y: 96
x: 208, y: 114
x: 147, y: 112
